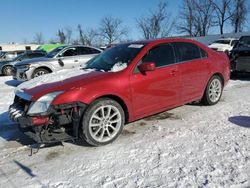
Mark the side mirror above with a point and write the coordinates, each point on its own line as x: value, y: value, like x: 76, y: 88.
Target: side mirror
x: 147, y: 66
x: 60, y: 62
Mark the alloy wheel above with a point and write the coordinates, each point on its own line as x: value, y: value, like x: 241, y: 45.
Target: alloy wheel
x: 215, y: 90
x: 39, y: 73
x: 105, y: 123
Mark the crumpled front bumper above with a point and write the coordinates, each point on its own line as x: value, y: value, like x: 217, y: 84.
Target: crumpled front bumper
x: 59, y: 126
x: 23, y: 74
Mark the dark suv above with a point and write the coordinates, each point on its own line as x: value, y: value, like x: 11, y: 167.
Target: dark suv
x: 240, y: 55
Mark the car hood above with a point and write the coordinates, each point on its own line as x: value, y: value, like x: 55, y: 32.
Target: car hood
x: 217, y: 45
x: 59, y: 81
x: 4, y: 62
x: 33, y: 61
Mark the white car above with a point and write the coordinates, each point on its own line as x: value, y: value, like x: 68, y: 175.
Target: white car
x: 63, y: 57
x: 223, y: 45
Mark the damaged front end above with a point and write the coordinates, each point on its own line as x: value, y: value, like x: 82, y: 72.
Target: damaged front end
x: 58, y: 123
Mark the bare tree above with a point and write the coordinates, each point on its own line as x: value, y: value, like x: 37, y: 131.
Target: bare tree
x: 68, y: 31
x: 81, y: 34
x: 223, y: 12
x: 52, y: 41
x: 88, y: 36
x: 62, y: 37
x: 38, y: 38
x: 112, y: 29
x: 239, y: 15
x: 204, y: 16
x: 157, y: 24
x: 197, y: 17
x: 187, y: 13
x: 91, y: 37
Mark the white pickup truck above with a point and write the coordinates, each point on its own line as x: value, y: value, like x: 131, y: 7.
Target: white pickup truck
x: 223, y: 45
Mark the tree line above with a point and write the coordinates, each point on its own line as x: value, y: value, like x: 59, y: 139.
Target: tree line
x: 194, y: 18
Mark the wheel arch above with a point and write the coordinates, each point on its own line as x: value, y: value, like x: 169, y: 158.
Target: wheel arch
x: 44, y: 67
x: 220, y: 75
x: 120, y: 101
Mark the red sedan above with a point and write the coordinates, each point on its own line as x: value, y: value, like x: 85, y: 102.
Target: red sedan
x: 123, y: 84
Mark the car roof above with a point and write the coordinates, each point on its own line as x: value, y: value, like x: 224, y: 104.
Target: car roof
x: 227, y: 39
x: 78, y: 45
x: 163, y: 40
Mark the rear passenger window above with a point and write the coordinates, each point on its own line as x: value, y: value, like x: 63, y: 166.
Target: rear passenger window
x: 186, y: 51
x: 203, y: 53
x: 87, y: 50
x: 34, y: 55
x: 161, y: 55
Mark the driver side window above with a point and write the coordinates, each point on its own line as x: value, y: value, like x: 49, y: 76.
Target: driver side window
x: 69, y: 52
x: 162, y: 55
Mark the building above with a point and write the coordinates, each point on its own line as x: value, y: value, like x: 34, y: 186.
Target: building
x: 17, y: 47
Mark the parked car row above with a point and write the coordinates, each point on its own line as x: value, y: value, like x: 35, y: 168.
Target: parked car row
x: 120, y: 85
x: 63, y: 57
x: 10, y: 55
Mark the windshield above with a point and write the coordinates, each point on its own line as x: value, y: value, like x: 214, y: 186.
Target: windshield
x: 54, y: 52
x: 222, y: 41
x: 245, y: 41
x: 116, y: 58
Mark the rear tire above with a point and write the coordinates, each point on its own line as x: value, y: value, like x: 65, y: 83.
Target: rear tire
x: 213, y: 91
x: 102, y: 122
x: 7, y: 70
x: 39, y: 72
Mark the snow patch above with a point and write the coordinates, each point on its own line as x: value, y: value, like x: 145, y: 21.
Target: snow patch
x: 119, y: 67
x: 53, y: 77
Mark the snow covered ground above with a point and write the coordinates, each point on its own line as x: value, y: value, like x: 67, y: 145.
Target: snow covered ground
x: 190, y: 146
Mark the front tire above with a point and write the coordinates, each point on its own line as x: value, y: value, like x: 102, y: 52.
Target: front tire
x: 39, y: 72
x: 102, y: 122
x: 213, y: 91
x: 7, y: 70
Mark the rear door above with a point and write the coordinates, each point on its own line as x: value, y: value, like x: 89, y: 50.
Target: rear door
x: 194, y: 70
x: 156, y: 90
x: 86, y: 53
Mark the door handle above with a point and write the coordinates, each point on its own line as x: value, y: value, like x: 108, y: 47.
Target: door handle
x: 173, y: 72
x: 76, y: 61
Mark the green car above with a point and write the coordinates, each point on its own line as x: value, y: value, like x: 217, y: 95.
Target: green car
x: 48, y: 47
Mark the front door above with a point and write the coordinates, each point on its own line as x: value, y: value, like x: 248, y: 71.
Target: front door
x: 68, y: 59
x: 157, y: 90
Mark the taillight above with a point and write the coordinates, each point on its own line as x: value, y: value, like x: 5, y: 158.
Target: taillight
x: 41, y: 120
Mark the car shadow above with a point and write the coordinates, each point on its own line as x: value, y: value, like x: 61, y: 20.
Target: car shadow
x: 9, y: 131
x: 243, y: 121
x: 13, y: 83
